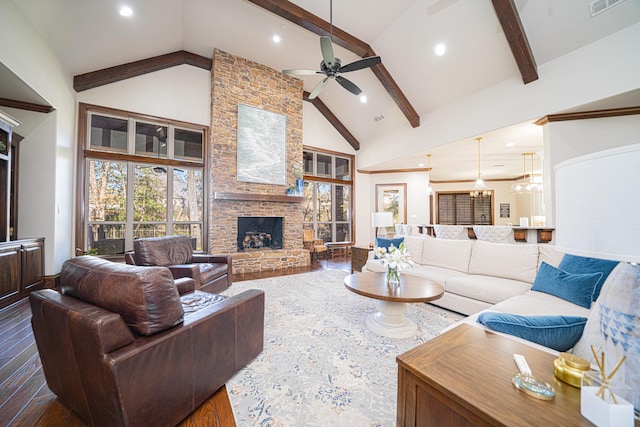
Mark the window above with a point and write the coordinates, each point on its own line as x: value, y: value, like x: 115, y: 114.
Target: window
x: 462, y: 209
x: 328, y: 194
x: 141, y: 179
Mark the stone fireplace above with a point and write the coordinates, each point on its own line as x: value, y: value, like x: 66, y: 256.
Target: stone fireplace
x: 234, y: 81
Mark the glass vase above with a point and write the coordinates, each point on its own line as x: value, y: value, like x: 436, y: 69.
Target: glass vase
x: 299, y: 187
x: 393, y: 278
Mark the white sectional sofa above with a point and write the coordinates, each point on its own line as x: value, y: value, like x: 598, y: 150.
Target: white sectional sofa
x: 478, y: 275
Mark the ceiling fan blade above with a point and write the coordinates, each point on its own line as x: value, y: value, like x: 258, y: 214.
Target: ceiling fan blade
x: 327, y: 51
x: 348, y: 85
x: 316, y: 90
x: 360, y: 64
x: 301, y: 72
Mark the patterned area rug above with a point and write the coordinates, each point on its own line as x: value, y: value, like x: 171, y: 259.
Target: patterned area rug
x: 321, y: 365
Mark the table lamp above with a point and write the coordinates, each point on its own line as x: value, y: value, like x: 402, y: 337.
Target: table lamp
x: 381, y: 220
x: 598, y: 216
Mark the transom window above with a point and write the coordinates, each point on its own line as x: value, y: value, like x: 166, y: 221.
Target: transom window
x: 329, y: 195
x: 140, y: 178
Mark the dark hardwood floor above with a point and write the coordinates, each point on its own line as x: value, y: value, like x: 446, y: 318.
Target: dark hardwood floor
x: 25, y: 399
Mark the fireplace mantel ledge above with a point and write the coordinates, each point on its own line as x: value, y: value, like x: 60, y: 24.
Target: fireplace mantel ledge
x: 257, y: 197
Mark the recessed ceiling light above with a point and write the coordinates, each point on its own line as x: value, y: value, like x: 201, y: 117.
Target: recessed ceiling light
x: 510, y: 144
x: 126, y: 11
x: 276, y: 39
x: 440, y: 49
x: 420, y: 165
x: 363, y: 99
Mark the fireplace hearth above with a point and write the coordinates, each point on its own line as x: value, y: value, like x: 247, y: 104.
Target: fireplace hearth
x: 259, y: 233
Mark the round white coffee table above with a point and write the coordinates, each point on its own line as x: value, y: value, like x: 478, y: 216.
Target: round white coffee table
x: 390, y: 320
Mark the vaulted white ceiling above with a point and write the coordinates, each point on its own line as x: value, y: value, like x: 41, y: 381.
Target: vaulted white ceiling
x: 88, y: 35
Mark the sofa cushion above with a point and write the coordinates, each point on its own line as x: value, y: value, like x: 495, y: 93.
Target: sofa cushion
x: 557, y: 332
x: 576, y: 288
x: 168, y: 250
x: 415, y: 245
x: 578, y: 264
x: 534, y: 303
x: 145, y: 297
x: 511, y: 261
x: 550, y: 255
x: 453, y: 254
x: 485, y: 288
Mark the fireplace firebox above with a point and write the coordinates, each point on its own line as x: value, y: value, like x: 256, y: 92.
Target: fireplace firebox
x: 259, y: 233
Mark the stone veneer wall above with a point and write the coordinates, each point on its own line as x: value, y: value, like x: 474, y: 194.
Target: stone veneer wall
x: 234, y: 81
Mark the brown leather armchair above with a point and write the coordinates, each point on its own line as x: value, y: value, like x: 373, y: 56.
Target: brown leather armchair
x: 211, y: 273
x: 119, y: 346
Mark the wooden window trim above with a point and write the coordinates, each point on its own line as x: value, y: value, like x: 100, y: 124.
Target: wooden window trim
x: 83, y: 153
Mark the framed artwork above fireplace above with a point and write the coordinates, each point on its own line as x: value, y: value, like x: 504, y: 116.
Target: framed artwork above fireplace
x: 262, y: 146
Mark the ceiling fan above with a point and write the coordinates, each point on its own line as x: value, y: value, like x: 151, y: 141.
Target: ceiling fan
x: 331, y: 66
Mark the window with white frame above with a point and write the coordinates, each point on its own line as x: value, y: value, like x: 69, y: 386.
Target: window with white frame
x: 328, y: 195
x: 141, y: 177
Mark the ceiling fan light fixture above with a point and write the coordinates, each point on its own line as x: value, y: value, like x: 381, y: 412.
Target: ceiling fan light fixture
x: 331, y: 66
x: 276, y: 38
x: 363, y: 99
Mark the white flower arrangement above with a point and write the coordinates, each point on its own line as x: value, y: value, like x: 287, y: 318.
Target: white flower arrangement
x: 298, y: 170
x: 394, y: 258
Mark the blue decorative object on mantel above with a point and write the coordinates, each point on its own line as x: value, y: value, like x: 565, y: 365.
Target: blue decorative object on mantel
x: 299, y: 187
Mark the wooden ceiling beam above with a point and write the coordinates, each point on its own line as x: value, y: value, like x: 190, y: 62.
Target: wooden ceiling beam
x: 138, y: 68
x: 27, y: 106
x: 295, y: 14
x: 517, y: 38
x: 337, y: 124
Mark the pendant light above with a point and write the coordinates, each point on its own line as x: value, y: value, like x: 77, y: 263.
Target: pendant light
x: 429, y: 189
x: 480, y: 189
x: 526, y: 187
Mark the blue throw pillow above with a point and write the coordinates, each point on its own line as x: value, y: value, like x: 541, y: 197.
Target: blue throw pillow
x: 557, y: 332
x: 578, y: 264
x: 385, y: 243
x: 575, y: 288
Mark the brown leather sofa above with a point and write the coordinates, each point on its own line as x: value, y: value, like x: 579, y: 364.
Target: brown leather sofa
x: 211, y: 273
x: 120, y: 346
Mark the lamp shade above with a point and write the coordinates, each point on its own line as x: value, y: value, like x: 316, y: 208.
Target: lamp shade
x: 382, y: 219
x: 597, y: 205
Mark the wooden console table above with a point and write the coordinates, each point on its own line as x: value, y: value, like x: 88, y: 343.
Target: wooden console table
x: 463, y: 378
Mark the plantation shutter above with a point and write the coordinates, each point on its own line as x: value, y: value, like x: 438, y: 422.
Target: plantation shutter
x: 462, y: 209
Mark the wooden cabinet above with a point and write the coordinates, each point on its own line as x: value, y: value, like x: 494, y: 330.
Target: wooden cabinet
x: 359, y: 256
x: 463, y: 378
x: 21, y: 269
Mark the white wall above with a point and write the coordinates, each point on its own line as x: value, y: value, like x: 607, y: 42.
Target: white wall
x: 569, y: 139
x: 47, y: 156
x: 179, y: 93
x: 317, y: 132
x: 575, y: 79
x: 417, y: 200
